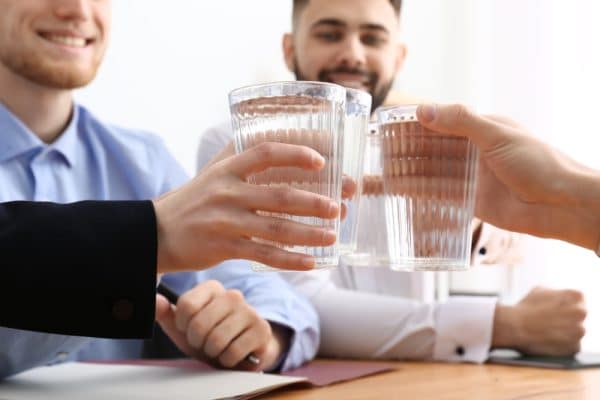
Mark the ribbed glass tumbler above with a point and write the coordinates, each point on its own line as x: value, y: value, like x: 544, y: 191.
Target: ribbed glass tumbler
x: 356, y: 126
x: 302, y: 113
x: 429, y: 183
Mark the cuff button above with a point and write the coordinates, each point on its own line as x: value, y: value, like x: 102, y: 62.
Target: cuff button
x: 122, y: 310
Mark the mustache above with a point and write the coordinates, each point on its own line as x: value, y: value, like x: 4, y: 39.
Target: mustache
x: 325, y: 75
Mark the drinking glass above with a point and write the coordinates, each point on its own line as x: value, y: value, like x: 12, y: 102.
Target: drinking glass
x: 302, y: 113
x: 356, y: 126
x: 429, y: 182
x: 372, y: 245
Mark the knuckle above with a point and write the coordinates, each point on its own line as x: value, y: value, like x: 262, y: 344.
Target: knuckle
x: 574, y: 295
x: 282, y: 196
x: 235, y: 296
x: 459, y: 112
x: 580, y: 313
x: 221, y: 223
x: 320, y: 204
x: 262, y: 253
x: 276, y: 227
x: 223, y: 194
x: 214, y: 286
x: 264, y: 328
x: 227, y: 361
x: 264, y: 151
x: 197, y: 327
x: 185, y: 308
x: 214, y: 346
x: 230, y: 357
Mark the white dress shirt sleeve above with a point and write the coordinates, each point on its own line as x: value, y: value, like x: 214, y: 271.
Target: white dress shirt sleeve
x: 212, y: 142
x: 366, y: 325
x: 497, y: 246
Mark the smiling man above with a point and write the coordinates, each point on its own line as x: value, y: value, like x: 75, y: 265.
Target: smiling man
x: 356, y: 43
x: 355, y: 46
x: 55, y: 150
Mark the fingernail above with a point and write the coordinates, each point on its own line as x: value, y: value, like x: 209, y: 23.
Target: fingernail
x: 329, y: 236
x: 308, y: 262
x: 427, y: 112
x: 334, y: 209
x: 318, y: 160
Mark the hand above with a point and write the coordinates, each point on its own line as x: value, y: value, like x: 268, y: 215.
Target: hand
x: 213, y: 324
x: 545, y: 322
x: 348, y: 185
x: 524, y: 184
x: 213, y: 218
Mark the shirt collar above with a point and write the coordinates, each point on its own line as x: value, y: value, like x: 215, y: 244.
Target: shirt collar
x: 18, y: 139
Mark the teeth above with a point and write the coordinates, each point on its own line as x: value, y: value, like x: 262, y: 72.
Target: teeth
x: 67, y: 40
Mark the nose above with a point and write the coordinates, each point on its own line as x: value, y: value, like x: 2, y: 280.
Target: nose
x: 352, y: 53
x: 80, y: 10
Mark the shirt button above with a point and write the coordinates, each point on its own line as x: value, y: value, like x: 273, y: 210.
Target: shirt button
x: 122, y: 310
x: 483, y: 251
x: 460, y: 351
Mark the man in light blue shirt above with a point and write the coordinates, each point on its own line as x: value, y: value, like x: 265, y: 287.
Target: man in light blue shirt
x: 53, y: 150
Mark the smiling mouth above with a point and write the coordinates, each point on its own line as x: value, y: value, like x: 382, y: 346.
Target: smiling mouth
x: 352, y: 84
x: 350, y: 81
x: 67, y: 40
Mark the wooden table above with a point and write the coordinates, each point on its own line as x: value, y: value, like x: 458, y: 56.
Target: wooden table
x: 416, y: 380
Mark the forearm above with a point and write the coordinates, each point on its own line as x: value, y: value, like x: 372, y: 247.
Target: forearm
x: 371, y: 326
x: 389, y: 327
x: 579, y: 217
x: 589, y: 206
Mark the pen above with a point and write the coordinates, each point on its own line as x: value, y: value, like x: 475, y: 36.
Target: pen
x: 173, y: 297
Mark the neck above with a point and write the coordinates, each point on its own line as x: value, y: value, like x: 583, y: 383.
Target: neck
x: 45, y: 111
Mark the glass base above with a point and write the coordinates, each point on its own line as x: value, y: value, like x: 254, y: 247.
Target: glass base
x: 344, y: 248
x: 321, y: 263
x: 363, y: 260
x: 428, y: 264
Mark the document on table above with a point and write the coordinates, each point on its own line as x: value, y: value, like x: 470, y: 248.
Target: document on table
x: 76, y: 381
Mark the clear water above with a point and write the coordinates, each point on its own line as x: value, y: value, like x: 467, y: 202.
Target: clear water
x: 355, y: 132
x: 297, y: 120
x: 430, y: 182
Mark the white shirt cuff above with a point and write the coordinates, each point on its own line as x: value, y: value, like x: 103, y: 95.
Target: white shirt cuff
x: 464, y: 328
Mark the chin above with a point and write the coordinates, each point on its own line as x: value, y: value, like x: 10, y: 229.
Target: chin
x: 61, y: 77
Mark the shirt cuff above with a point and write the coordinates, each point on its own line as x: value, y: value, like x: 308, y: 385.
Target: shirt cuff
x: 303, y: 344
x: 464, y: 328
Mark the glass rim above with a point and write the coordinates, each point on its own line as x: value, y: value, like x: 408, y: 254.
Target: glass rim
x: 394, y: 109
x: 362, y: 96
x: 282, y: 84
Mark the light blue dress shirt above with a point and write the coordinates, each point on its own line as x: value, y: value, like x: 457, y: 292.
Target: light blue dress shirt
x: 92, y: 160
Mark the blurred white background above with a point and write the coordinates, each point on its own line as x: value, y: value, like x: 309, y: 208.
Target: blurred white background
x: 172, y: 63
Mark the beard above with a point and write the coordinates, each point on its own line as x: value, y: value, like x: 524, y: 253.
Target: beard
x: 377, y: 90
x: 39, y: 70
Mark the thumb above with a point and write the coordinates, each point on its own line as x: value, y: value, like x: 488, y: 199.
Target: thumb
x: 165, y: 316
x: 459, y: 120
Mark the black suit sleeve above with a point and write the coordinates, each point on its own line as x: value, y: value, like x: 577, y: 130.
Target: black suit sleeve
x: 86, y: 268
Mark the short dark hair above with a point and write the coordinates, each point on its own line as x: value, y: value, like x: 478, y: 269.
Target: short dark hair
x: 300, y: 4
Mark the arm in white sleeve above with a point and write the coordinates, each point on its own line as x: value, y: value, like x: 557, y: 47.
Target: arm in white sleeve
x: 212, y: 142
x: 367, y: 325
x: 497, y: 246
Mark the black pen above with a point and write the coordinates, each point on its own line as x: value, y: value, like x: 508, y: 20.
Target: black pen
x: 173, y: 297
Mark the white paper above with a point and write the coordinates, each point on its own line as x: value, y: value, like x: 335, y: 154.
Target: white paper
x: 77, y: 381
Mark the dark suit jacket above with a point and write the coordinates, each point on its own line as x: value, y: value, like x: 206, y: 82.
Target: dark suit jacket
x: 86, y: 268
